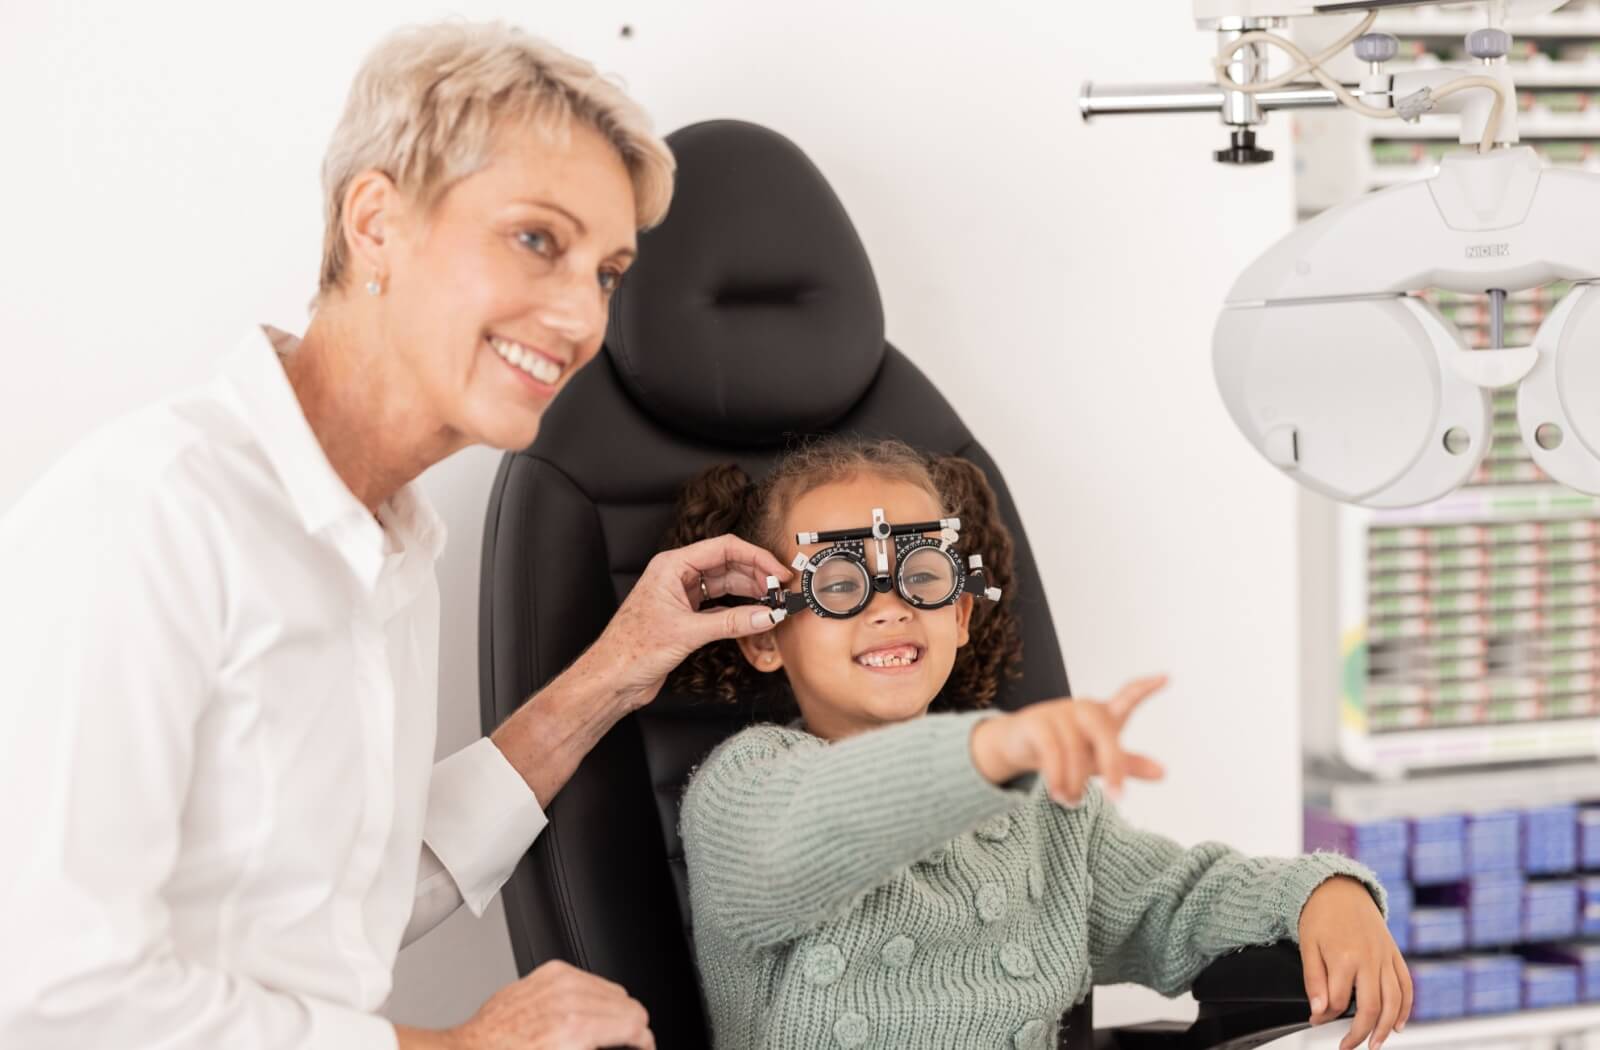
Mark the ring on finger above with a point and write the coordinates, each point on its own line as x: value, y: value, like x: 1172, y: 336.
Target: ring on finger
x: 705, y: 594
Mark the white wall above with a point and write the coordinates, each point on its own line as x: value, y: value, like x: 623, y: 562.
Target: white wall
x: 1058, y: 282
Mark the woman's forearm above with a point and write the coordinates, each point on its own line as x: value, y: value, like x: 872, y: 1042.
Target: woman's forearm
x: 424, y: 1039
x: 546, y: 738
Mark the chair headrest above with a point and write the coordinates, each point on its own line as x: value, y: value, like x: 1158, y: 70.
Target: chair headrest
x: 752, y: 311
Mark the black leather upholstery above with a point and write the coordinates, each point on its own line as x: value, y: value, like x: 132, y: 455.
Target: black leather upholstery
x: 751, y: 317
x: 782, y: 337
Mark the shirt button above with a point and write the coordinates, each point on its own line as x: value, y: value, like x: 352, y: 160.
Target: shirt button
x: 897, y: 953
x: 1035, y: 1035
x: 824, y: 964
x: 851, y: 1030
x: 1017, y: 959
x: 995, y: 829
x: 991, y: 902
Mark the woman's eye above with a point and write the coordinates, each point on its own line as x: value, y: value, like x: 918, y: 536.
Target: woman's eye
x: 610, y: 280
x: 537, y: 240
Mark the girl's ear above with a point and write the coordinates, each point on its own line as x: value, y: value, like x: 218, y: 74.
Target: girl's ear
x: 963, y: 619
x: 761, y: 651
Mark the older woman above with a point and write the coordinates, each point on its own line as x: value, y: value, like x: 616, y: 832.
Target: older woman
x: 220, y: 617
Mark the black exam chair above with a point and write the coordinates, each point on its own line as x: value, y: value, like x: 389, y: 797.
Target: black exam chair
x: 751, y: 315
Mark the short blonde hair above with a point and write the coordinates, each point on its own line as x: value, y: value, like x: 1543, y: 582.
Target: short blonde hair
x: 428, y: 101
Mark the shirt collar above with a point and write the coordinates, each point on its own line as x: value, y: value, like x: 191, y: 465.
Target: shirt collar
x: 267, y: 403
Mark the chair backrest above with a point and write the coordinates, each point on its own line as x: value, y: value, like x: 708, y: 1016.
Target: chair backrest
x: 750, y: 317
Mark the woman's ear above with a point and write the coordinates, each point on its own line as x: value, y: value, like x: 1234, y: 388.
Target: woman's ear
x: 761, y: 650
x: 372, y: 206
x: 963, y: 619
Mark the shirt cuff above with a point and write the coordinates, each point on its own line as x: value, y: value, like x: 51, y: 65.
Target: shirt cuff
x: 481, y: 820
x: 341, y: 1028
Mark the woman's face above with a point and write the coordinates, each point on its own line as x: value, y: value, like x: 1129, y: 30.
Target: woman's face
x: 837, y: 668
x: 501, y: 293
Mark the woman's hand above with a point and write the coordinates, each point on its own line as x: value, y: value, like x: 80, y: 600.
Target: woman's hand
x: 660, y: 622
x: 556, y: 1007
x: 1066, y: 742
x: 1345, y: 946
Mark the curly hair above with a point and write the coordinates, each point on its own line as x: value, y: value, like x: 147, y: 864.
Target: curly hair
x: 724, y: 499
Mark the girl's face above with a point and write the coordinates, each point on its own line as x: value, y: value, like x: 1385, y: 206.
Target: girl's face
x: 836, y: 667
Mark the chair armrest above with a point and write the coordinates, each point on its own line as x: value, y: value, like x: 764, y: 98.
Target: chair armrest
x: 1268, y: 974
x: 1247, y: 998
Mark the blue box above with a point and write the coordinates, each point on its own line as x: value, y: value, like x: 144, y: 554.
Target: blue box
x: 1435, y: 930
x: 1550, y: 839
x: 1550, y: 910
x: 1438, y: 849
x: 1589, y: 905
x: 1401, y: 901
x: 1494, y: 983
x: 1379, y: 844
x: 1439, y: 989
x: 1494, y: 843
x: 1589, y: 838
x: 1586, y: 957
x: 1494, y: 908
x: 1548, y: 984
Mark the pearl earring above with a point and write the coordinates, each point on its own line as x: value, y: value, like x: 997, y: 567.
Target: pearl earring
x: 374, y: 287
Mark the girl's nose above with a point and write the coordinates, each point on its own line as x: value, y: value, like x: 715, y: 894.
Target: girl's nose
x: 887, y: 608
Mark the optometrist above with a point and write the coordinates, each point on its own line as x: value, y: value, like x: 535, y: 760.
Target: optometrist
x: 219, y: 622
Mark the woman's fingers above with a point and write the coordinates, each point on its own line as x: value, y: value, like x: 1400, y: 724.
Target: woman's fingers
x: 719, y: 584
x: 1132, y: 695
x: 726, y: 554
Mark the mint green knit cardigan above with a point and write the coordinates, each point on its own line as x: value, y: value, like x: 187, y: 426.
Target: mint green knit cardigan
x: 878, y: 892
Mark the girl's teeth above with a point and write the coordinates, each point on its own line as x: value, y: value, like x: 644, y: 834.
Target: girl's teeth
x: 896, y: 660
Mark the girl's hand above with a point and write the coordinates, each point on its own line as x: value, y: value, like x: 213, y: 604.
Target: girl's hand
x: 1066, y: 741
x: 1345, y: 946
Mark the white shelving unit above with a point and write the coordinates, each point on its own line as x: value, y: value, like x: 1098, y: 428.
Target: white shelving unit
x: 1465, y: 634
x: 1560, y: 1029
x: 1475, y: 638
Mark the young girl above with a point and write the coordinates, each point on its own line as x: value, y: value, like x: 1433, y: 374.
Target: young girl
x: 873, y: 875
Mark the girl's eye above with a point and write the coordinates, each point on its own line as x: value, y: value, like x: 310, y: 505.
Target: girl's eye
x: 537, y: 240
x: 840, y: 587
x: 917, y: 579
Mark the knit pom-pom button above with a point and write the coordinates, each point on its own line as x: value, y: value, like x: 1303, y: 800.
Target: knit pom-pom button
x: 1035, y: 883
x: 897, y: 953
x: 1017, y: 959
x: 851, y: 1030
x: 991, y: 902
x: 1035, y: 1035
x: 937, y: 856
x: 995, y: 829
x: 824, y: 964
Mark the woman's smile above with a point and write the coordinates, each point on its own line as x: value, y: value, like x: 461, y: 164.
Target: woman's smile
x: 539, y: 372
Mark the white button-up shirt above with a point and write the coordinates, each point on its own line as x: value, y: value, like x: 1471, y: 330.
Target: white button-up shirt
x: 218, y: 690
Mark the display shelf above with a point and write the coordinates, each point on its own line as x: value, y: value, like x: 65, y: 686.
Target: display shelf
x: 1469, y: 1031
